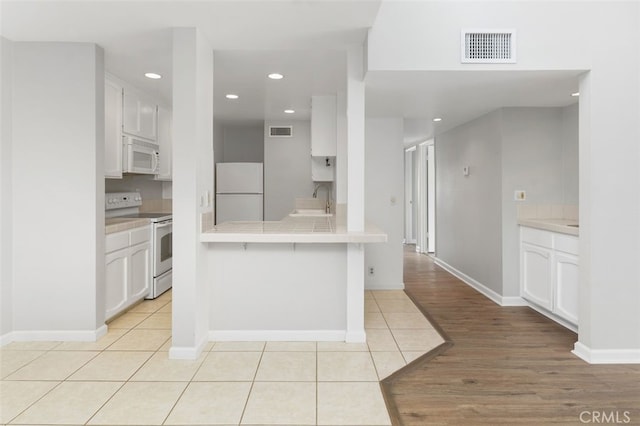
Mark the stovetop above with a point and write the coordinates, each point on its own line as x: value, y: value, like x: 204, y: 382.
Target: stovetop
x: 157, y: 216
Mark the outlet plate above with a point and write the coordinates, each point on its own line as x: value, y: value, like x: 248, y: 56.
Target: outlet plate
x: 371, y: 271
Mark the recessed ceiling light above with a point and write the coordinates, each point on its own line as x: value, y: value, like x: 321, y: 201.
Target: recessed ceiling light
x: 435, y: 120
x: 231, y: 96
x: 152, y: 75
x: 276, y: 76
x: 575, y: 94
x: 289, y: 111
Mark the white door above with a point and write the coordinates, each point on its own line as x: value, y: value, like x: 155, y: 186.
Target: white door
x: 239, y: 207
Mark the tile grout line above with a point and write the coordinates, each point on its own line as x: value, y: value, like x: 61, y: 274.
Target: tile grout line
x: 105, y: 350
x: 246, y: 403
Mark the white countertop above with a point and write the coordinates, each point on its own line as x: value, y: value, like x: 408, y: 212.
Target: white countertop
x: 301, y: 229
x: 555, y: 225
x: 117, y: 224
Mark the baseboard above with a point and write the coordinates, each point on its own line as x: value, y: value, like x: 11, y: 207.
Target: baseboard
x: 53, y: 335
x: 278, y: 335
x: 356, y: 337
x: 187, y: 352
x: 606, y: 356
x: 513, y: 301
x: 6, y: 338
x: 376, y: 286
x: 552, y: 316
x: 495, y: 297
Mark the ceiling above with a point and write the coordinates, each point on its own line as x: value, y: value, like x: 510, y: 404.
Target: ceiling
x: 459, y: 96
x: 304, y: 40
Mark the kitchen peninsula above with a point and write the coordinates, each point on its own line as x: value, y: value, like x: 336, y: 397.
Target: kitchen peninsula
x: 284, y: 280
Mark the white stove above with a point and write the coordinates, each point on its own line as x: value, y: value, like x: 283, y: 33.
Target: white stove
x: 126, y: 204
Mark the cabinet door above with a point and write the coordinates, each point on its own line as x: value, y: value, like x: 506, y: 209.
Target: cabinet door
x: 148, y: 113
x: 117, y: 281
x: 164, y: 140
x: 536, y: 275
x: 567, y: 287
x: 323, y: 126
x: 139, y: 115
x: 112, y: 130
x: 140, y: 271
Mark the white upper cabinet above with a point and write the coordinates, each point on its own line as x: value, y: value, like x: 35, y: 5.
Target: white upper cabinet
x: 323, y: 126
x: 140, y: 115
x: 165, y: 142
x: 112, y: 129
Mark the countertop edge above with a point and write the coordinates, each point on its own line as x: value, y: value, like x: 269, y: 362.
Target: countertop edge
x: 550, y: 225
x: 328, y: 238
x: 125, y: 225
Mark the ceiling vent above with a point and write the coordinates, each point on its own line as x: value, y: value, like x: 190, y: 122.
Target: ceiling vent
x: 488, y: 46
x: 280, y: 131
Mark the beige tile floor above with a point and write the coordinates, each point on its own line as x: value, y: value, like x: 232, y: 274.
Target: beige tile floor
x: 126, y: 377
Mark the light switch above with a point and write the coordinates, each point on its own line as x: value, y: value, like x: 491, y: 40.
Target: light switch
x: 465, y: 171
x: 520, y: 195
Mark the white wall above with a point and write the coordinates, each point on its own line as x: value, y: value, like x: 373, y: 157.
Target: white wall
x: 149, y: 189
x: 468, y: 215
x: 429, y: 34
x: 192, y: 179
x: 532, y: 160
x: 570, y: 154
x: 287, y: 169
x: 384, y: 200
x: 243, y: 143
x: 6, y: 256
x: 58, y: 190
x: 524, y: 151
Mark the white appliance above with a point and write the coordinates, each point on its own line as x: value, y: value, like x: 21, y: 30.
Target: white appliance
x: 239, y: 192
x: 125, y: 204
x: 140, y: 156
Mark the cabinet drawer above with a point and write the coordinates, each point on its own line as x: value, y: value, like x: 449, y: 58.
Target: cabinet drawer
x: 116, y: 241
x: 537, y: 237
x: 566, y: 243
x: 140, y: 235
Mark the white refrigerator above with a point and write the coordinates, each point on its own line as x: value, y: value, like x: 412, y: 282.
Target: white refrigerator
x: 239, y: 192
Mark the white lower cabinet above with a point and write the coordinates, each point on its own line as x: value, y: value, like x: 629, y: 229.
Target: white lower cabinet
x: 128, y: 269
x: 537, y: 275
x: 566, y: 294
x: 549, y: 272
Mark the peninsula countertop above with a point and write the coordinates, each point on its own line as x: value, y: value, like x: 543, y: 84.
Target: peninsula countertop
x: 564, y: 226
x: 301, y: 229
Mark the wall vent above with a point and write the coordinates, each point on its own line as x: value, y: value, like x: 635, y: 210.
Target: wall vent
x: 488, y: 46
x: 280, y: 131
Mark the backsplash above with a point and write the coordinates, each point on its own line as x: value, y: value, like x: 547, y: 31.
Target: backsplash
x: 156, y: 206
x: 548, y: 211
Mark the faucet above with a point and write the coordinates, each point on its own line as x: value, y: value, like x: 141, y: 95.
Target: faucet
x: 327, y: 207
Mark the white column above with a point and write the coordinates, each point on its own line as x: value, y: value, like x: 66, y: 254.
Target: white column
x: 192, y: 187
x: 355, y: 194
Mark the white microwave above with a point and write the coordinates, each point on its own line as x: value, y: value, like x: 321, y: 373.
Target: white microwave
x: 140, y: 156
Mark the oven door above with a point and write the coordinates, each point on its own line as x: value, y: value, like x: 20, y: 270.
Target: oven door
x: 163, y: 247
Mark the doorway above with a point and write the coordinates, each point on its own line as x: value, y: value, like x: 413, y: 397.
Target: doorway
x: 420, y: 197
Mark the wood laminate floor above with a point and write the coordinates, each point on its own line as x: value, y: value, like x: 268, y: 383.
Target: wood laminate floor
x: 501, y: 365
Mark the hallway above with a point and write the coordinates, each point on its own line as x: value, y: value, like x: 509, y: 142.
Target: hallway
x: 500, y: 365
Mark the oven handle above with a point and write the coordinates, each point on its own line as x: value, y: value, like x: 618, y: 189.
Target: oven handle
x: 164, y: 224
